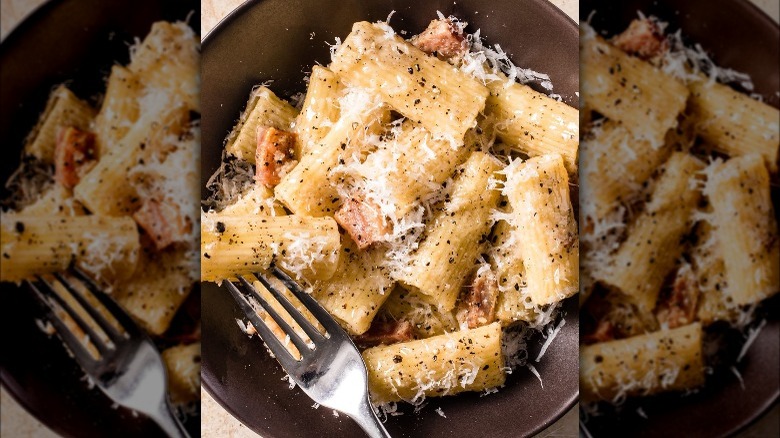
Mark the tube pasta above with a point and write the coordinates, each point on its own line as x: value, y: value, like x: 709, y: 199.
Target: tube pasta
x: 306, y: 190
x: 450, y: 248
x: 183, y: 365
x: 467, y: 360
x: 735, y: 123
x: 533, y: 123
x: 444, y: 100
x: 628, y: 90
x: 120, y: 109
x: 642, y: 262
x: 154, y: 297
x: 355, y: 293
x: 34, y: 245
x: 745, y: 228
x: 62, y: 109
x: 242, y: 244
x: 615, y: 166
x: 665, y: 360
x: 320, y: 108
x: 151, y: 62
x: 538, y: 193
x: 263, y: 109
x: 410, y: 165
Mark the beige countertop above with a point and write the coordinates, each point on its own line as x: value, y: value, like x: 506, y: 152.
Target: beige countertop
x: 16, y: 422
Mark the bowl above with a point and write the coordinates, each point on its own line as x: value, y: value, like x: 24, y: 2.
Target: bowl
x: 280, y: 41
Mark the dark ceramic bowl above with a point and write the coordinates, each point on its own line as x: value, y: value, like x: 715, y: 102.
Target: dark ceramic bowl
x: 737, y: 35
x: 73, y: 41
x: 280, y: 41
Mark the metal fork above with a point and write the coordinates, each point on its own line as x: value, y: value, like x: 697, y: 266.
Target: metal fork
x: 330, y: 369
x: 130, y: 370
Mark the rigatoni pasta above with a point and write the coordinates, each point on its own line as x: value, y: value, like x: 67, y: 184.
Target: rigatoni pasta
x: 34, y: 245
x: 449, y: 250
x: 465, y: 360
x: 421, y: 87
x: 534, y: 123
x: 651, y: 250
x: 744, y: 227
x: 263, y: 109
x: 665, y: 360
x: 734, y: 123
x: 628, y: 90
x: 234, y: 245
x: 394, y: 194
x: 62, y: 109
x: 320, y: 108
x: 538, y: 193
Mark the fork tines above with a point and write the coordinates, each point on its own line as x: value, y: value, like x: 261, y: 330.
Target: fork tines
x: 242, y: 297
x: 54, y: 290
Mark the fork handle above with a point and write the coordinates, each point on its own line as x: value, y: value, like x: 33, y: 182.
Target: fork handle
x: 369, y: 422
x: 169, y: 423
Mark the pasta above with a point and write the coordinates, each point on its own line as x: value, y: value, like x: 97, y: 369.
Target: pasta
x: 263, y: 109
x: 626, y: 89
x: 320, y: 109
x: 534, y: 123
x: 34, y: 245
x: 652, y: 247
x: 745, y: 228
x: 447, y: 253
x: 538, y: 193
x: 242, y: 244
x: 664, y: 360
x: 465, y: 360
x: 395, y: 185
x: 735, y: 124
x: 62, y: 109
x: 445, y: 102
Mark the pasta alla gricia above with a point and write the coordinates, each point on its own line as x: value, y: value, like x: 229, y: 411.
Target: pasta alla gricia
x: 407, y: 150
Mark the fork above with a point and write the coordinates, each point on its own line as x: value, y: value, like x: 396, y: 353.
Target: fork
x: 129, y: 370
x: 330, y: 369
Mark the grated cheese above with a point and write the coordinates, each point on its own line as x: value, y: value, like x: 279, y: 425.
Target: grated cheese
x: 551, y: 334
x: 535, y: 373
x: 751, y: 337
x: 736, y: 372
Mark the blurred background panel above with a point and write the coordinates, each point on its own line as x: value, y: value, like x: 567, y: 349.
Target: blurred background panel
x: 77, y: 43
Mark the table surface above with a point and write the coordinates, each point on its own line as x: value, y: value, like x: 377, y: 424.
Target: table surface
x: 217, y: 422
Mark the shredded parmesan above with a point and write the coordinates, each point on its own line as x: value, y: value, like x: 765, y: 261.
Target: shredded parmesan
x: 551, y: 334
x: 752, y: 336
x: 535, y: 373
x: 736, y: 373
